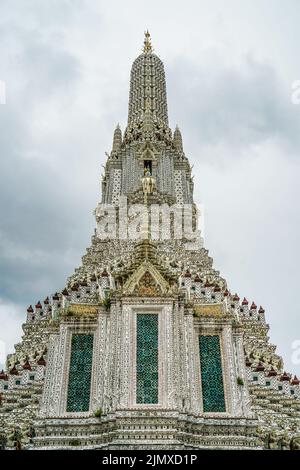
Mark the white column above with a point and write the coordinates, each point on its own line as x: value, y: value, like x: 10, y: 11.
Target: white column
x: 228, y: 365
x: 126, y: 355
x: 193, y: 405
x: 100, y: 359
x: 243, y: 391
x: 49, y: 383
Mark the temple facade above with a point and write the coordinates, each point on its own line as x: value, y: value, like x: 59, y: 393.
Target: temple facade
x: 146, y: 347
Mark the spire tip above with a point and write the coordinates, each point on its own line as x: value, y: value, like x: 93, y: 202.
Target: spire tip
x: 147, y: 42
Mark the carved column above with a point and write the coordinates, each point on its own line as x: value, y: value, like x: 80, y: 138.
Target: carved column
x: 193, y: 405
x: 126, y: 352
x: 49, y: 384
x: 243, y: 391
x: 231, y: 387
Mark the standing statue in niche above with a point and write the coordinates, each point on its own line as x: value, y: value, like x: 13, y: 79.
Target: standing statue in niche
x: 148, y: 181
x: 147, y: 171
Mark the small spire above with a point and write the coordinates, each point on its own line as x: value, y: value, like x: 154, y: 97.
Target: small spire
x: 147, y: 42
x: 41, y: 361
x: 272, y: 372
x: 117, y: 140
x: 178, y: 139
x: 295, y: 380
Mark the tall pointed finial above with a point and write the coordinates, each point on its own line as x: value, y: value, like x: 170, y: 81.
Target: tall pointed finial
x: 178, y: 139
x: 148, y: 80
x: 117, y: 142
x: 147, y: 42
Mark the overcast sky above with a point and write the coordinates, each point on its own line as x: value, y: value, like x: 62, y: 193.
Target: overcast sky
x: 229, y: 65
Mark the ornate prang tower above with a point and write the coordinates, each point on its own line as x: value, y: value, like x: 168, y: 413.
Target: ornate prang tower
x: 145, y: 347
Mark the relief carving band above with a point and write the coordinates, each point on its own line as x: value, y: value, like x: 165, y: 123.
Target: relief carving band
x: 81, y: 309
x: 217, y: 309
x: 145, y: 347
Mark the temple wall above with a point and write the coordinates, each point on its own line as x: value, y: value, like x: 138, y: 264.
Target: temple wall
x: 114, y: 368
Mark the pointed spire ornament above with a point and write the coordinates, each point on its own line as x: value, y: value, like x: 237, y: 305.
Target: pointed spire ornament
x: 117, y: 141
x: 147, y: 43
x: 148, y: 80
x: 178, y: 140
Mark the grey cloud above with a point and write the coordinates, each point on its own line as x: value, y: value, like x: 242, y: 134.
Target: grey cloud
x: 236, y: 106
x: 39, y: 227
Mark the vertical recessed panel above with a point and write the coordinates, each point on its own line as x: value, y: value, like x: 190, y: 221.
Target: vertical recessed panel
x: 211, y: 374
x: 80, y: 372
x: 147, y: 359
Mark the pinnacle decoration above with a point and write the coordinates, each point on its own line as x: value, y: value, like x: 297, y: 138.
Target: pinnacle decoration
x: 147, y: 43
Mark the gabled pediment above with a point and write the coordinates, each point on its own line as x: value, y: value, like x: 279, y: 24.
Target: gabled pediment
x: 146, y: 281
x: 147, y: 152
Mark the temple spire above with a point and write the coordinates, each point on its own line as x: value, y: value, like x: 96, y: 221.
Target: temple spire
x: 117, y: 141
x: 147, y: 42
x: 178, y: 139
x: 147, y: 82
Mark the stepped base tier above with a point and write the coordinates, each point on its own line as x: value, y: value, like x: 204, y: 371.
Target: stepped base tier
x: 145, y: 347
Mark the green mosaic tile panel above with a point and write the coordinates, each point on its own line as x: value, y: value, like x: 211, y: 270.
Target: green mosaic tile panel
x: 211, y: 374
x: 147, y: 359
x: 80, y: 373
